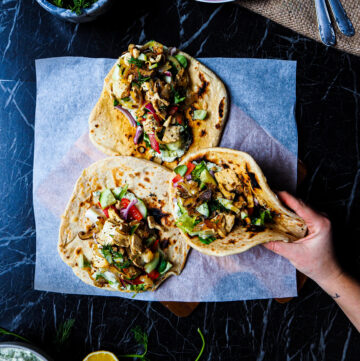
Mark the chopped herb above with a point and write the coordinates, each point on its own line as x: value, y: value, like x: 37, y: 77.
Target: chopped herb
x: 178, y: 98
x: 141, y: 79
x: 74, y: 5
x: 107, y: 253
x: 134, y: 228
x: 8, y: 333
x: 147, y: 140
x: 124, y: 264
x: 136, y: 62
x: 116, y: 102
x: 207, y: 240
x: 126, y: 99
x: 198, y: 170
x: 99, y: 276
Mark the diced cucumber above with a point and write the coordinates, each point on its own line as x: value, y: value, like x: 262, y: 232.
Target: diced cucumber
x: 153, y: 66
x: 207, y: 178
x: 142, y: 57
x: 119, y: 192
x: 168, y: 79
x: 182, y: 60
x: 175, y: 63
x: 153, y: 264
x: 181, y: 169
x: 228, y: 205
x: 110, y: 277
x: 203, y: 209
x: 167, y: 267
x: 107, y: 198
x: 200, y: 114
x: 83, y: 262
x: 257, y: 222
x: 243, y: 214
x: 140, y: 205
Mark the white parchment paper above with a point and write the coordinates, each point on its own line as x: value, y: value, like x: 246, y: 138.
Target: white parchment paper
x: 261, y: 122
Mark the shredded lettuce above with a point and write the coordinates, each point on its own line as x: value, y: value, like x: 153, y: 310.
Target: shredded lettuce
x: 198, y: 170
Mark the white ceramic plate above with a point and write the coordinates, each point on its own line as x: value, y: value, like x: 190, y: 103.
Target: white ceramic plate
x: 26, y: 347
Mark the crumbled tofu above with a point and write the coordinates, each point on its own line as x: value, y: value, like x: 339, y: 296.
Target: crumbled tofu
x: 111, y: 235
x: 172, y: 134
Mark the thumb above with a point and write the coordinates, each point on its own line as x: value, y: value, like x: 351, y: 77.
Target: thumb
x: 287, y: 250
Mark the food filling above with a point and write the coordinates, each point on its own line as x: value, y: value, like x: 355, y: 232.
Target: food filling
x: 151, y: 87
x: 211, y: 199
x: 125, y: 242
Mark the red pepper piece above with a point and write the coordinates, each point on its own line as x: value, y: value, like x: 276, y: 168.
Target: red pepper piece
x: 154, y: 274
x: 154, y: 247
x: 137, y: 281
x: 177, y: 178
x: 106, y: 209
x: 179, y: 118
x: 190, y: 168
x: 154, y: 143
x: 173, y: 110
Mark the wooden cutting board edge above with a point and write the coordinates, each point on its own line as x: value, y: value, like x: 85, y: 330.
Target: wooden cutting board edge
x: 185, y: 309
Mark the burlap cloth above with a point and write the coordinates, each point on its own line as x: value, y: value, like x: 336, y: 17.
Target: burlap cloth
x: 300, y: 16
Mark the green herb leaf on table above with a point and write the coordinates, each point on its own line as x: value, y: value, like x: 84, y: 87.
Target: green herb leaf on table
x: 203, y: 345
x: 142, y: 339
x: 64, y: 331
x: 8, y: 333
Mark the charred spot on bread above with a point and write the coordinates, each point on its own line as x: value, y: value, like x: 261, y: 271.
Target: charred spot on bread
x: 204, y: 85
x: 221, y: 108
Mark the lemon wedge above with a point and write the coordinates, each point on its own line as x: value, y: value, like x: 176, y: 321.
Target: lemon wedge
x: 101, y: 356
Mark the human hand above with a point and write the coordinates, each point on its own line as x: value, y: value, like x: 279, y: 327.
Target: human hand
x: 314, y: 254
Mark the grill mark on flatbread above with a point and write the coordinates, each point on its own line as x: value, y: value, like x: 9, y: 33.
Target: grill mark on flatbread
x: 204, y: 85
x: 221, y: 108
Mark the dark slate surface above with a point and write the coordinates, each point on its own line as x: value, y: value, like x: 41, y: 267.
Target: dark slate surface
x: 310, y: 327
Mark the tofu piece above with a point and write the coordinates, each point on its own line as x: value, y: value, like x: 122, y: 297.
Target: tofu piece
x: 136, y: 245
x: 111, y: 235
x: 150, y: 126
x: 172, y: 134
x: 228, y: 182
x: 97, y: 260
x: 229, y: 222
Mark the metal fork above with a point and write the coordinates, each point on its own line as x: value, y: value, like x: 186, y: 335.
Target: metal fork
x: 326, y: 29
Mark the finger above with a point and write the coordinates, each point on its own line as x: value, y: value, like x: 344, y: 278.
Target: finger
x: 287, y: 250
x: 299, y: 207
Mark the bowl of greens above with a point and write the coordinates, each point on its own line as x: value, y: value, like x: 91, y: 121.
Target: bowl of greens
x: 76, y: 11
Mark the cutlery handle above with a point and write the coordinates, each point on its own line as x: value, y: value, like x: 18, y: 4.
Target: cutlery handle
x: 342, y: 20
x: 326, y: 30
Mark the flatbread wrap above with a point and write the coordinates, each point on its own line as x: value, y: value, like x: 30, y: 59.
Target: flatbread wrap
x: 117, y: 231
x: 158, y: 103
x: 223, y: 204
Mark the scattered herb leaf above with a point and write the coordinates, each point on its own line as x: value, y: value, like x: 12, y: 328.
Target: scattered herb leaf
x: 136, y: 62
x: 116, y: 102
x: 142, y: 339
x: 64, y: 331
x: 203, y: 345
x: 5, y: 332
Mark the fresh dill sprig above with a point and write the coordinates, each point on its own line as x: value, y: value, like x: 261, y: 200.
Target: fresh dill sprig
x: 142, y: 339
x: 5, y: 332
x: 203, y: 345
x: 64, y: 331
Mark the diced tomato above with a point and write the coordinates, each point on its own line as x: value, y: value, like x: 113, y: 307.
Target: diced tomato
x: 106, y: 209
x: 137, y: 281
x: 177, y: 178
x: 154, y: 247
x: 134, y: 213
x: 190, y: 168
x: 154, y: 144
x: 179, y: 118
x: 173, y: 110
x: 250, y: 211
x: 154, y: 274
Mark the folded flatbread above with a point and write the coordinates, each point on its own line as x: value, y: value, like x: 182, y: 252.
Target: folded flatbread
x: 117, y: 231
x: 223, y: 204
x: 158, y: 108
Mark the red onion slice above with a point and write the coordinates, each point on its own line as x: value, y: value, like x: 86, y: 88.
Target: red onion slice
x: 175, y: 185
x: 172, y: 50
x: 139, y: 131
x: 124, y: 212
x: 127, y: 114
x: 167, y: 73
x: 188, y: 177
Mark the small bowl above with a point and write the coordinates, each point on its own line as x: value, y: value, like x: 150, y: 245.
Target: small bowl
x: 26, y: 347
x: 88, y: 14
